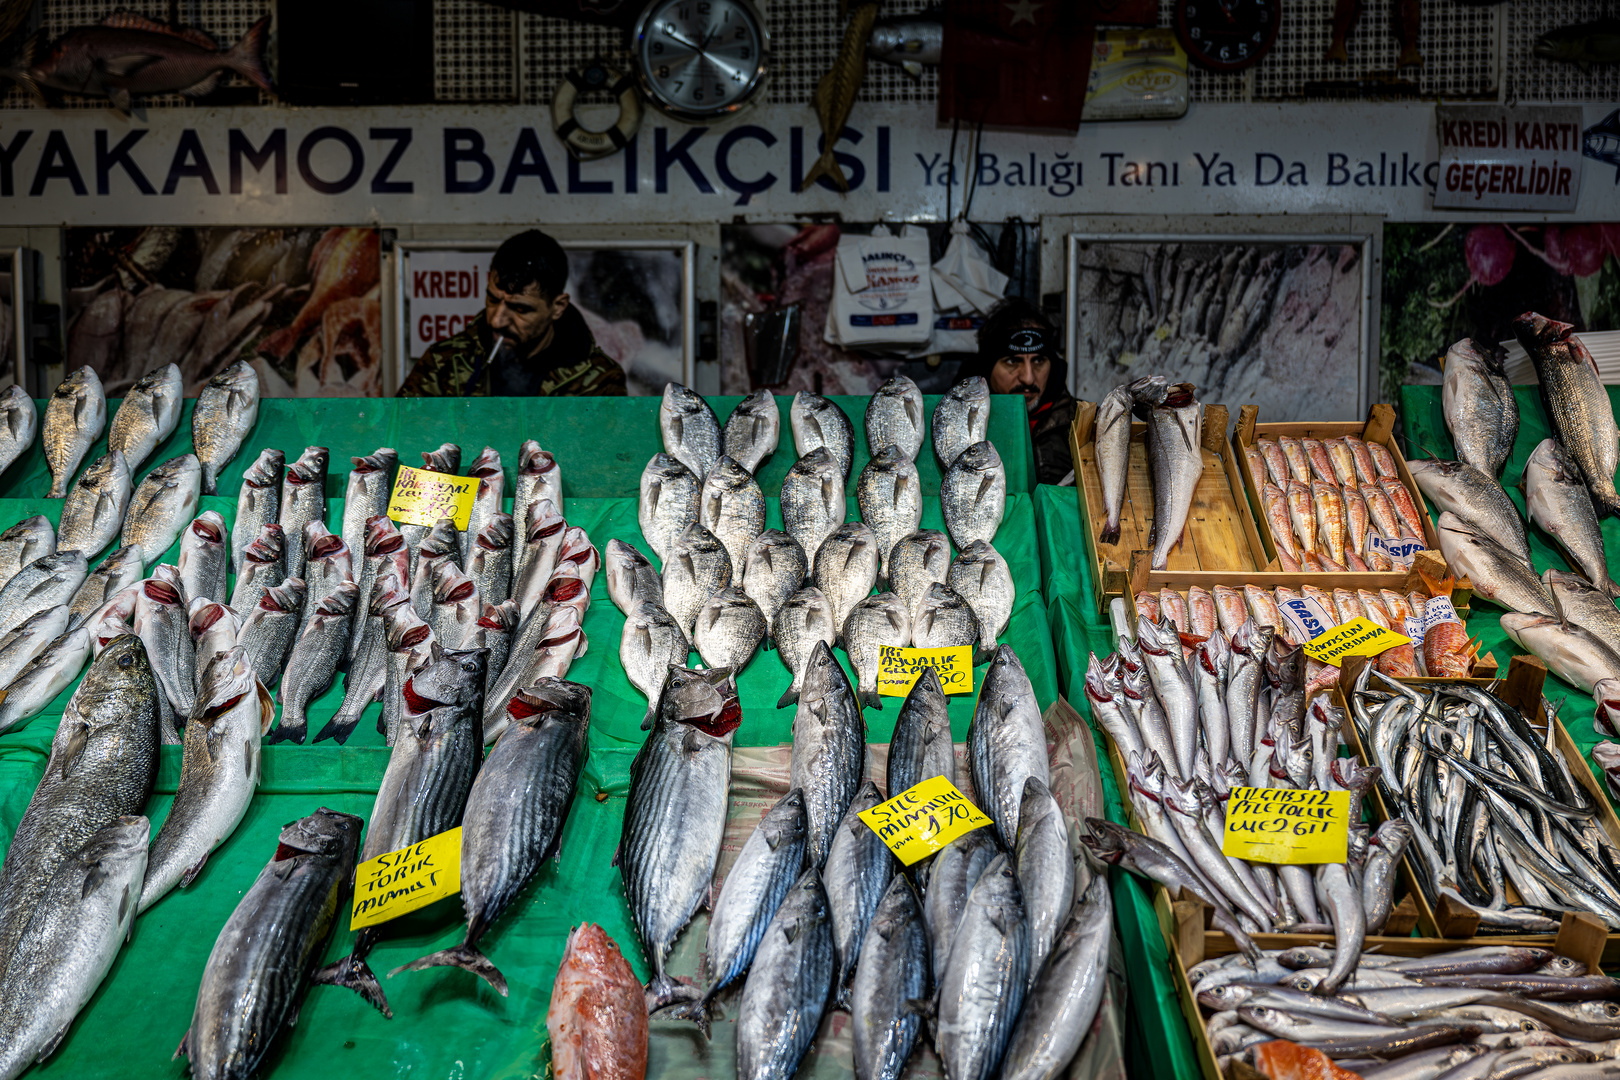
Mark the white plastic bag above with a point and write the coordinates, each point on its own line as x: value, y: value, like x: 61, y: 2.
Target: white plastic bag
x: 883, y: 294
x: 966, y: 287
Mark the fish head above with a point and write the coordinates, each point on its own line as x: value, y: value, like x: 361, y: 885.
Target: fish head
x: 502, y: 616
x: 487, y: 464
x: 455, y: 677
x: 268, y: 546
x: 446, y: 459
x: 566, y: 585
x: 704, y: 698
x: 208, y: 527
x: 266, y: 470
x: 210, y: 613
x: 450, y: 584
x: 787, y: 821
x: 286, y: 598
x: 578, y: 550
x: 443, y: 539
x: 1227, y: 997
x: 325, y: 833
x: 319, y: 542
x: 382, y: 537
x: 529, y: 456
x: 550, y: 696
x: 382, y: 460
x: 1104, y: 840
x: 496, y: 535
x: 340, y: 602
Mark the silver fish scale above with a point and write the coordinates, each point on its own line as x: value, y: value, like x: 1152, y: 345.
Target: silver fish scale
x: 43, y: 583
x: 944, y: 620
x: 19, y: 423
x: 920, y: 747
x: 29, y: 539
x: 204, y: 562
x: 303, y: 500
x: 982, y: 987
x: 973, y: 495
x: 812, y: 500
x: 983, y: 579
x: 956, y: 870
x: 257, y: 973
x: 316, y: 656
x: 163, y: 505
x: 1175, y: 465
x: 227, y: 408
x: 268, y: 635
x: 631, y: 577
x: 690, y: 429
x: 804, y: 621
x: 95, y: 507
x: 765, y: 869
x: 538, y: 478
x: 819, y: 424
x: 1006, y: 742
x: 490, y: 561
x: 258, y: 504
x: 961, y: 419
x: 488, y: 499
x: 773, y: 569
x: 752, y: 431
x: 670, y: 500
x: 829, y: 749
x: 846, y: 568
x: 697, y: 568
x: 874, y: 622
x: 1475, y: 497
x: 889, y: 494
x: 893, y: 972
x: 786, y: 991
x: 1555, y: 498
x: 918, y: 561
x: 894, y: 417
x: 732, y: 507
x: 74, y: 419
x: 728, y: 629
x: 858, y: 871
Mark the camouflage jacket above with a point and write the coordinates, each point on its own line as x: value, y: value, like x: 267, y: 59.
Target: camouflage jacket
x: 572, y: 365
x: 1049, y: 435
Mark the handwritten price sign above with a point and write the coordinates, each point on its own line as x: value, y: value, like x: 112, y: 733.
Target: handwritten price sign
x: 1358, y: 637
x: 401, y: 881
x: 923, y: 818
x: 900, y: 668
x: 1285, y: 826
x: 421, y: 497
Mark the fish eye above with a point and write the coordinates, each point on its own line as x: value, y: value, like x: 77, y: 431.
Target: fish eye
x: 125, y: 660
x: 469, y: 667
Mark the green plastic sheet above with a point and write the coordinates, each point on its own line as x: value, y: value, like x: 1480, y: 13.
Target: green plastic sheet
x: 448, y: 1023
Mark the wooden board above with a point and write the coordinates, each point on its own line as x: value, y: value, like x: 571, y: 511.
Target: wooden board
x: 1220, y: 533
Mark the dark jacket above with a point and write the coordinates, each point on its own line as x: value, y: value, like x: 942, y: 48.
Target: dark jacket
x: 1048, y: 425
x: 572, y: 365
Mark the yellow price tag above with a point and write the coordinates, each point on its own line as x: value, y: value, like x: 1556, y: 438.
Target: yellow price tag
x: 899, y: 668
x: 1286, y: 826
x: 421, y: 497
x: 1358, y: 637
x: 401, y: 881
x: 923, y: 818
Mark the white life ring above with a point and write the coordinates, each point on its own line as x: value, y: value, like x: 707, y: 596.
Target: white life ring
x: 584, y: 144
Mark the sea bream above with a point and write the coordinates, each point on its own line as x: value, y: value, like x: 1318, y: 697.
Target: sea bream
x: 148, y: 414
x: 1478, y: 404
x: 876, y: 621
x: 973, y: 495
x: 731, y: 505
x: 19, y: 423
x: 804, y: 622
x: 163, y: 505
x: 74, y: 419
x: 817, y: 423
x: 961, y: 419
x: 813, y: 499
x: 773, y: 568
x: 889, y: 494
x: 1576, y: 403
x: 31, y: 538
x: 690, y: 429
x: 752, y: 430
x: 95, y: 507
x: 29, y: 639
x: 671, y: 498
x: 894, y: 417
x: 43, y: 583
x: 227, y: 408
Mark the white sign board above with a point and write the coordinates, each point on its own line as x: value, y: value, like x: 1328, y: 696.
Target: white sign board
x: 1493, y: 157
x: 444, y: 291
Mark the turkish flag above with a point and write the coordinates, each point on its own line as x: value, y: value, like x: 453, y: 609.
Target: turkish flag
x: 1016, y: 63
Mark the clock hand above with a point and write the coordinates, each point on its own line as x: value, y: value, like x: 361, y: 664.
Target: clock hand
x: 669, y: 32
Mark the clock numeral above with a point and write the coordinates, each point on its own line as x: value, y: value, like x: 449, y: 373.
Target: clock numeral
x: 704, y: 7
x: 663, y: 71
x: 1196, y: 32
x: 697, y: 95
x: 658, y: 47
x: 1225, y: 53
x: 683, y: 13
x: 736, y: 76
x: 745, y: 53
x: 1257, y: 37
x: 678, y: 85
x: 741, y: 34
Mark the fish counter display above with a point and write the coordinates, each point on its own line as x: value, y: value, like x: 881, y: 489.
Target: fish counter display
x: 272, y: 832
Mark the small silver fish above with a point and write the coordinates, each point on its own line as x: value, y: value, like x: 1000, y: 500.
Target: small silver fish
x: 19, y: 423
x: 773, y: 569
x: 204, y: 562
x: 163, y: 505
x: 752, y: 431
x: 728, y: 629
x: 149, y: 414
x: 258, y: 503
x: 671, y: 497
x: 95, y: 507
x: 818, y: 423
x: 227, y: 408
x: 690, y: 429
x: 732, y: 507
x: 804, y: 621
x: 961, y: 419
x: 873, y: 623
x: 894, y: 417
x: 74, y: 420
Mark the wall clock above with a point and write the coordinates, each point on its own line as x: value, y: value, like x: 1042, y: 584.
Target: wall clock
x: 700, y: 60
x: 1227, y: 35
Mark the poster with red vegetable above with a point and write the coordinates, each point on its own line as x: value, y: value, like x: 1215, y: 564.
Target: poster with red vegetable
x: 1446, y: 282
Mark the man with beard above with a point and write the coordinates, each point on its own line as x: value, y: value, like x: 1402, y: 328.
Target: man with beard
x: 529, y: 341
x: 1018, y: 354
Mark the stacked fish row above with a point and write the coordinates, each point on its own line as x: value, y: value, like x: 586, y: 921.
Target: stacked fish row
x: 1568, y: 483
x: 1487, y: 805
x: 1238, y: 715
x: 1175, y: 432
x: 1003, y: 946
x: 1491, y: 1011
x: 1326, y: 501
x: 728, y: 583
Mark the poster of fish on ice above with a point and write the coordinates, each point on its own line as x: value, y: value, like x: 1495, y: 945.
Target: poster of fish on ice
x: 303, y: 305
x: 1275, y: 324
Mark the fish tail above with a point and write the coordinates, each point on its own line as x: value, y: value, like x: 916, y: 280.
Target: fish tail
x: 696, y: 1011
x: 985, y: 653
x: 789, y: 696
x: 465, y: 956
x: 340, y: 727
x: 1607, y: 503
x: 650, y: 716
x: 871, y: 699
x: 826, y: 165
x: 1110, y: 531
x: 355, y: 974
x: 246, y: 57
x: 686, y: 1000
x: 291, y: 729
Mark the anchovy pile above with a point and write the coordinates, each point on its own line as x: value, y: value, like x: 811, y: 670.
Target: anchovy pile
x: 1488, y: 805
x: 1325, y: 501
x: 1491, y: 1011
x: 729, y: 585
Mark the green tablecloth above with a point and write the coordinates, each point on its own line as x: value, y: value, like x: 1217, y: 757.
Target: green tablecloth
x: 602, y: 443
x: 447, y: 1023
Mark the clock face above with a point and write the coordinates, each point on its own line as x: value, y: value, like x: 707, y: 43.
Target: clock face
x: 700, y: 58
x: 1227, y: 35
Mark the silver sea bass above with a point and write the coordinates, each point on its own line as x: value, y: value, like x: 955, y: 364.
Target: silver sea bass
x: 117, y: 571
x: 1577, y: 403
x: 1475, y: 497
x: 204, y: 561
x: 44, y: 677
x: 149, y: 414
x: 1555, y: 497
x: 1478, y: 404
x: 487, y: 500
x: 1175, y: 431
x: 227, y: 408
x: 258, y: 504
x: 74, y: 420
x: 366, y: 494
x: 303, y: 500
x: 631, y: 578
x: 315, y: 659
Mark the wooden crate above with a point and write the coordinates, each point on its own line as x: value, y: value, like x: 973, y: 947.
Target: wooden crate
x: 1379, y: 428
x: 1521, y: 688
x: 1220, y: 534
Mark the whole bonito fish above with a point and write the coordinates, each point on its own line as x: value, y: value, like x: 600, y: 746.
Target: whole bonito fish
x: 205, y: 561
x: 597, y: 1019
x: 149, y: 414
x: 260, y: 966
x: 219, y: 770
x: 424, y: 789
x: 671, y: 498
x: 732, y: 507
x: 920, y: 747
x: 1475, y: 497
x: 163, y: 505
x: 1556, y: 498
x: 1006, y: 742
x: 303, y: 500
x: 487, y: 500
x: 981, y: 577
x: 858, y: 871
x: 973, y: 495
x: 804, y: 621
x: 366, y: 495
x: 829, y: 749
x: 755, y: 886
x: 227, y: 408
x: 95, y: 507
x: 817, y: 423
x: 981, y: 988
x: 29, y: 640
x: 773, y: 569
x: 955, y: 870
x: 85, y: 915
x: 918, y: 561
x: 262, y: 568
x: 651, y: 643
x: 696, y: 569
x: 890, y: 497
x: 19, y: 423
x: 1112, y: 445
x: 752, y: 431
x: 43, y: 583
x: 813, y: 500
x: 1576, y: 402
x: 258, y: 504
x: 489, y: 561
x: 316, y: 656
x: 101, y: 766
x: 690, y: 429
x: 632, y: 580
x: 894, y: 417
x: 1066, y: 993
x: 787, y: 987
x: 1045, y: 866
x: 164, y: 627
x: 269, y: 631
x: 846, y: 567
x: 1175, y: 431
x: 117, y: 572
x: 893, y: 973
x: 728, y: 630
x: 873, y: 623
x: 44, y: 677
x: 961, y: 419
x: 74, y: 419
x: 515, y: 812
x: 675, y: 817
x: 1498, y: 574
x: 538, y: 479
x: 1478, y: 404
x: 31, y: 538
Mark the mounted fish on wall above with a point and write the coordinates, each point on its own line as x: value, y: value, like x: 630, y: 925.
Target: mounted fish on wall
x: 303, y: 305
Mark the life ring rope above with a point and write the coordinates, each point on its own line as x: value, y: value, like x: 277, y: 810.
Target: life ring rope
x: 586, y: 144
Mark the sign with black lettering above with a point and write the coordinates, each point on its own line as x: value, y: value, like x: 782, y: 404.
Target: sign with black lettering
x: 1287, y: 826
x: 1493, y: 157
x: 401, y: 881
x: 923, y: 818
